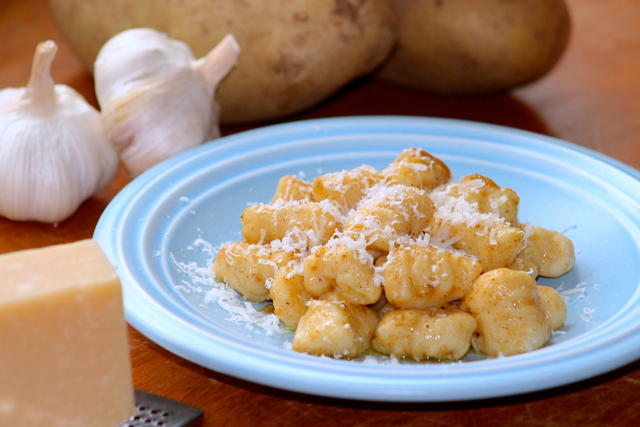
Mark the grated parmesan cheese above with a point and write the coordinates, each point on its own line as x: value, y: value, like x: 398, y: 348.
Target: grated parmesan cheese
x: 579, y: 288
x: 202, y: 280
x: 588, y: 314
x: 492, y: 237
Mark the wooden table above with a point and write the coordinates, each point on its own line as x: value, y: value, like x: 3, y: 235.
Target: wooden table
x: 592, y: 98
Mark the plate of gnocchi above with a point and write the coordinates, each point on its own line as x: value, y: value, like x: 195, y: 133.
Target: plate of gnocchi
x: 385, y: 258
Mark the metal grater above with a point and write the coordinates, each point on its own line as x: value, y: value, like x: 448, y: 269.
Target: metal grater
x: 154, y: 410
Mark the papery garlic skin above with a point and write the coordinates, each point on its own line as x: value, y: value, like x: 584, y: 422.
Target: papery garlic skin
x: 54, y: 153
x: 156, y: 99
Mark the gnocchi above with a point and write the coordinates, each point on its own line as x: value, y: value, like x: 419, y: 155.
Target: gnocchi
x: 422, y: 334
x: 335, y: 328
x: 403, y: 262
x: 510, y: 316
x: 427, y: 276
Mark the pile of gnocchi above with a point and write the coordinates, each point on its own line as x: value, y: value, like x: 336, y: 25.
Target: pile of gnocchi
x: 402, y: 262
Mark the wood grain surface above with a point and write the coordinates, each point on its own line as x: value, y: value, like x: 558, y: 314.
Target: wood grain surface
x: 591, y: 98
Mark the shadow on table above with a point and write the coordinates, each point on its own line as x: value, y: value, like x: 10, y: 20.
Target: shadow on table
x: 370, y: 97
x: 438, y: 406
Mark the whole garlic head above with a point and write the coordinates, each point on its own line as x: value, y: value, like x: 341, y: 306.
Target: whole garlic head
x: 156, y: 99
x: 54, y: 153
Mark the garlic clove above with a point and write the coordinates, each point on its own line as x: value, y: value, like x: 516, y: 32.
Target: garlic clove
x: 156, y: 99
x: 155, y: 121
x: 54, y: 153
x: 134, y: 55
x: 218, y: 63
x: 40, y: 93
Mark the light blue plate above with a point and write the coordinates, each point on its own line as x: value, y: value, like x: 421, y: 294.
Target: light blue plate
x: 593, y: 199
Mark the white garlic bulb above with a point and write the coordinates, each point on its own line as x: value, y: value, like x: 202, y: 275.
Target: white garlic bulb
x: 156, y: 99
x: 54, y: 153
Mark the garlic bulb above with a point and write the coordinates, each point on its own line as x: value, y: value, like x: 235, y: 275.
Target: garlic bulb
x: 156, y: 99
x: 54, y: 153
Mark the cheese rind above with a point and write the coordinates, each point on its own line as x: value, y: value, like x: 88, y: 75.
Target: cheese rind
x: 64, y: 355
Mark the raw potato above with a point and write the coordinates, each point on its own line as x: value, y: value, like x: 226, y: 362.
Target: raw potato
x: 295, y: 53
x: 476, y: 46
x: 422, y: 334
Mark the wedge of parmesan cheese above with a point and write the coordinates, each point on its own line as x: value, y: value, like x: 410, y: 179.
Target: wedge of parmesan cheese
x: 64, y: 355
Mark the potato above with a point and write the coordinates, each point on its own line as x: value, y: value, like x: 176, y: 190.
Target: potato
x: 476, y: 46
x: 295, y: 53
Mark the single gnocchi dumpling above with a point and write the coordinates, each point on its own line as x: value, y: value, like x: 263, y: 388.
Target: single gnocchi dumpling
x: 339, y: 268
x: 437, y: 333
x: 416, y: 168
x: 388, y: 213
x: 496, y: 245
x: 558, y: 255
x: 426, y: 276
x: 487, y: 196
x: 521, y: 264
x: 247, y: 268
x: 528, y: 260
x: 274, y: 221
x: 335, y: 328
x: 289, y: 296
x: 511, y: 318
x: 291, y: 188
x: 554, y: 307
x: 345, y: 188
